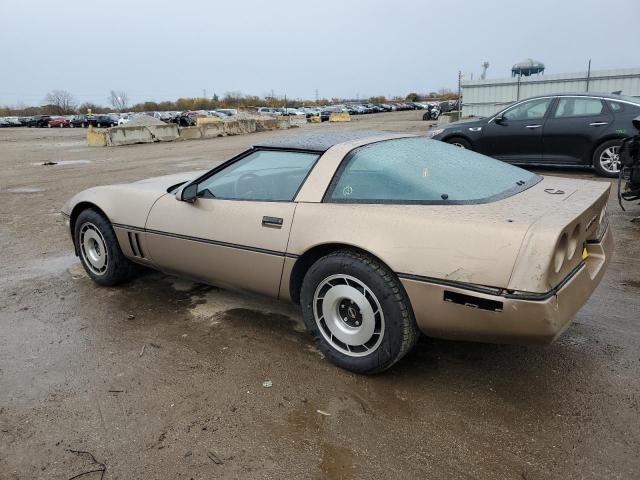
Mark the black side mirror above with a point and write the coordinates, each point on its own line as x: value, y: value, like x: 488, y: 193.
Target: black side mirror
x: 499, y: 119
x: 188, y: 193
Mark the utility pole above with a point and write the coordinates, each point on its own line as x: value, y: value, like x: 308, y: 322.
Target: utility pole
x: 204, y: 93
x: 459, y: 94
x: 588, y: 75
x: 317, y: 96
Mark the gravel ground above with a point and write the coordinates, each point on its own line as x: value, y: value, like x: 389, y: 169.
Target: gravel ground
x: 163, y: 378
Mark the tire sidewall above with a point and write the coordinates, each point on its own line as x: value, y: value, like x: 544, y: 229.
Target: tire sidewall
x: 387, y: 352
x: 596, y: 158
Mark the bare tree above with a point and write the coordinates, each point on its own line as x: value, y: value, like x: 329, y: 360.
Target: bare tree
x: 61, y: 100
x: 119, y: 100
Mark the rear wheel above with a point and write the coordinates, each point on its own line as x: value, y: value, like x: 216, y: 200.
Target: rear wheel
x: 459, y: 142
x: 99, y: 250
x: 606, y: 158
x: 357, y: 312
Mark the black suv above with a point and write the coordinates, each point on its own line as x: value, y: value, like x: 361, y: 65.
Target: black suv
x: 79, y: 121
x: 564, y: 129
x: 38, y: 121
x: 102, y: 120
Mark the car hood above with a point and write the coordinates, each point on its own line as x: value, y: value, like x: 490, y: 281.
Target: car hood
x: 165, y: 181
x: 128, y: 203
x: 469, y: 122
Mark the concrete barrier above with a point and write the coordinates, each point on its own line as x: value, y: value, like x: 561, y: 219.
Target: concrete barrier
x: 206, y: 120
x: 164, y: 133
x: 265, y: 124
x: 297, y: 120
x: 315, y: 119
x: 211, y: 130
x: 97, y: 138
x: 240, y: 127
x: 190, y: 133
x: 283, y: 123
x: 129, y: 135
x: 339, y: 117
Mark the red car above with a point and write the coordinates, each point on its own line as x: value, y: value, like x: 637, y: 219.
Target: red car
x: 58, y: 122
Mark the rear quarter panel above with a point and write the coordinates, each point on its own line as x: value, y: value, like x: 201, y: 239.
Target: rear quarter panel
x: 469, y: 243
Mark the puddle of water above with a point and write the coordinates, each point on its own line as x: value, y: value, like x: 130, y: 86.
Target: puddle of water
x: 336, y: 462
x: 54, y: 265
x: 61, y: 162
x: 24, y: 190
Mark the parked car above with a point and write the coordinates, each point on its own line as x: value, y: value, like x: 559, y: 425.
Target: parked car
x: 58, y: 122
x: 532, y: 248
x: 79, y: 121
x: 124, y: 119
x: 38, y: 121
x: 229, y: 112
x: 102, y: 120
x: 10, y: 122
x: 274, y: 112
x: 584, y: 129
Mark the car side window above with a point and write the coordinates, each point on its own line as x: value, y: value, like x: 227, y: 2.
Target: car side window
x: 616, y: 107
x: 531, y: 110
x: 578, y: 107
x: 264, y: 175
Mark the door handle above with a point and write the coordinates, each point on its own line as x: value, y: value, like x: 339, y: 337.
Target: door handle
x: 598, y: 124
x: 533, y: 126
x: 273, y: 222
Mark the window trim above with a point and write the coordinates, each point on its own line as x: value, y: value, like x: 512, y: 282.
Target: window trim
x: 245, y: 154
x: 605, y: 110
x: 326, y: 198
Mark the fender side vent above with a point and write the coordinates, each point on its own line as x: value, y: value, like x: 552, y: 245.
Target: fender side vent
x: 134, y: 243
x: 473, y: 302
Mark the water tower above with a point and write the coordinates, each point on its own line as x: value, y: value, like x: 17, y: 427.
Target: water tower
x: 527, y: 68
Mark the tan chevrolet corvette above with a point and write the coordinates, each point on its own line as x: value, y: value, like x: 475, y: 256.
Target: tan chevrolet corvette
x: 376, y: 236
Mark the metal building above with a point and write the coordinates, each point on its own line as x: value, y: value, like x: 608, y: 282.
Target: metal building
x: 485, y: 97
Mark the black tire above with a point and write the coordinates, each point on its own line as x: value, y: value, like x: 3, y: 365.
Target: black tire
x: 598, y: 165
x: 425, y: 116
x: 117, y: 269
x: 400, y: 332
x: 460, y: 142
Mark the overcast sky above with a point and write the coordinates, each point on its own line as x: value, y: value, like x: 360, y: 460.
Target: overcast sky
x: 162, y: 50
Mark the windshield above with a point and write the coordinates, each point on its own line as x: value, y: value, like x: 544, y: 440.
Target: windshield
x: 420, y: 170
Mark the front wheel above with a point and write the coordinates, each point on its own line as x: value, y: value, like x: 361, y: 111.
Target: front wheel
x: 99, y: 251
x: 357, y: 312
x: 459, y: 142
x: 606, y: 158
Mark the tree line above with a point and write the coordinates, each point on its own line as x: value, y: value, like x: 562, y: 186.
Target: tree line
x: 62, y: 102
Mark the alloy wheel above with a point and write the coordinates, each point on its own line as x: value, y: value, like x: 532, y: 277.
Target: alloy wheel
x: 348, y: 315
x: 610, y: 159
x: 93, y: 249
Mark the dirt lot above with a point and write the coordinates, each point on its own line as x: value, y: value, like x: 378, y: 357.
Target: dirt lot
x: 163, y: 378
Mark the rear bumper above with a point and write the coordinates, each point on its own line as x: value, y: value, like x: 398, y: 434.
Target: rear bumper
x: 449, y: 311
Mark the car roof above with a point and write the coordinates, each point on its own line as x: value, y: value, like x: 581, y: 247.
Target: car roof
x: 319, y: 142
x: 611, y: 96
